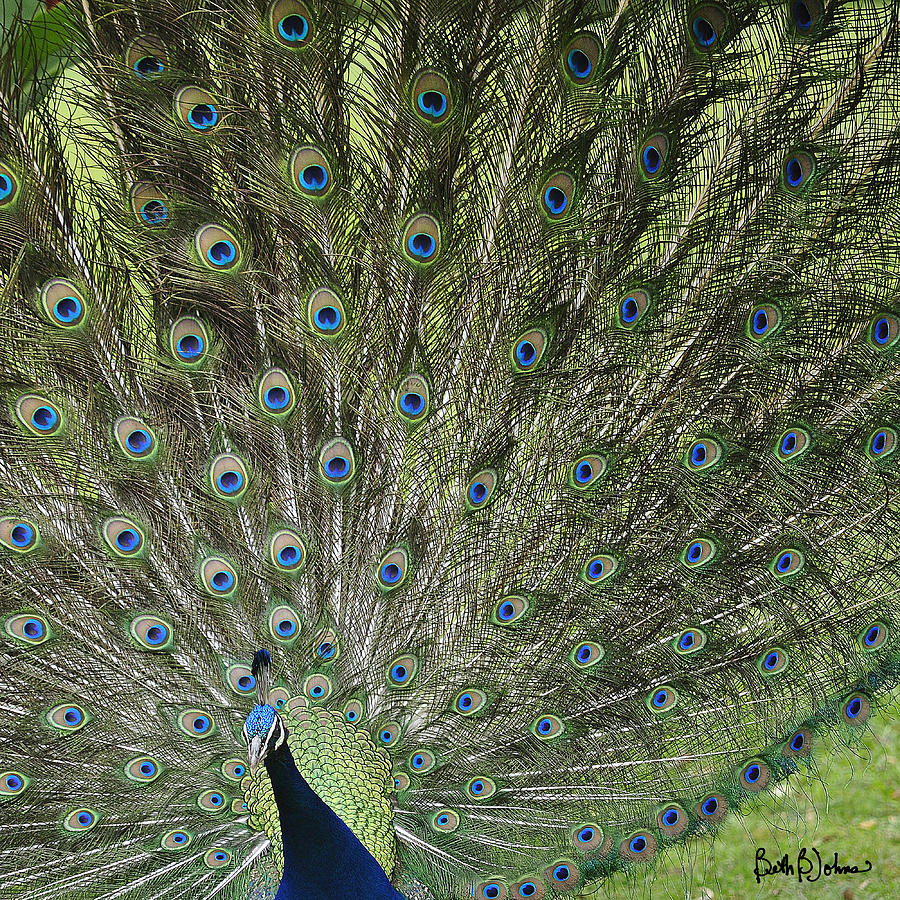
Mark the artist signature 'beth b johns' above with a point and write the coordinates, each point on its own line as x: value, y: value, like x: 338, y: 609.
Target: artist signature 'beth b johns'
x: 808, y: 866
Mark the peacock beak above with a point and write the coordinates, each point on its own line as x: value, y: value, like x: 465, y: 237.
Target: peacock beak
x: 255, y: 752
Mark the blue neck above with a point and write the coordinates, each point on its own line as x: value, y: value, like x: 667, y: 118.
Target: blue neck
x: 323, y: 858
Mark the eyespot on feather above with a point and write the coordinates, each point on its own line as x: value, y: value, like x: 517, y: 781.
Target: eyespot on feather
x: 402, y: 782
x: 689, y: 641
x: 547, y: 726
x: 152, y: 208
x: 218, y: 576
x: 124, y: 537
x: 663, y: 699
x: 63, y: 304
x: 212, y: 801
x: 275, y: 394
x: 510, y: 609
x: 228, y: 477
x: 135, y: 439
x: 672, y: 820
x: 788, y: 562
x: 557, y: 195
x: 703, y: 454
x: 29, y: 628
x: 9, y: 187
x: 587, y: 471
x: 882, y: 444
x: 196, y: 724
x: 633, y: 307
x: 480, y: 787
x: 240, y: 679
x: 287, y: 551
x: 587, y: 837
x: 146, y: 56
x: 354, y: 711
x: 143, y: 769
x: 151, y: 633
x: 19, y: 535
x: 197, y: 110
x: 797, y: 171
x: 176, y: 840
x: 216, y: 858
x: 480, y: 489
x: 12, y: 783
x: 421, y: 240
x: 311, y: 172
x: 528, y: 350
x: 764, y: 321
x: 393, y: 569
x: 40, y: 416
x: 388, y: 734
x: 793, y: 444
x: 856, y: 709
x: 586, y: 654
x: 470, y: 701
x: 421, y: 761
x: 873, y: 636
x: 402, y: 672
x: 599, y: 568
x: 652, y: 157
x: 446, y: 820
x: 706, y: 27
x: 804, y: 16
x: 711, y: 809
x: 317, y: 687
x: 432, y: 100
x: 326, y: 313
x: 638, y: 847
x: 884, y: 331
x: 563, y: 875
x: 800, y: 743
x: 755, y: 776
x: 413, y: 399
x: 80, y: 820
x: 68, y: 717
x: 188, y: 341
x: 492, y: 889
x: 581, y: 58
x: 234, y: 769
x: 326, y: 646
x: 698, y: 553
x: 531, y: 887
x: 772, y: 662
x: 217, y: 248
x: 291, y: 23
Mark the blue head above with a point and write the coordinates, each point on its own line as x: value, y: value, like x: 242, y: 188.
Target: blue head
x: 264, y: 732
x: 263, y: 729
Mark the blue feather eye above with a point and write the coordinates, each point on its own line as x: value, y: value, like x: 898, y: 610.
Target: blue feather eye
x: 233, y: 769
x: 9, y: 186
x: 287, y: 552
x: 311, y: 172
x: 763, y: 322
x: 188, y: 341
x: 151, y: 633
x: 19, y: 535
x: 68, y: 717
x: 291, y: 23
x: 211, y: 801
x: 12, y: 783
x: 62, y: 303
x: 240, y: 679
x: 480, y: 787
x: 124, y: 537
x: 633, y: 307
x: 704, y: 453
x: 275, y: 393
x: 217, y: 248
x: 663, y: 699
x: 586, y: 654
x: 689, y: 641
x: 422, y: 761
x: 510, y: 609
x: 884, y: 331
x: 470, y: 701
x: 653, y: 155
x: 196, y: 109
x: 318, y: 687
x: 80, y: 820
x: 403, y: 670
x: 176, y: 840
x: 755, y: 776
x: 787, y: 562
x: 480, y: 489
x: 431, y: 97
x: 874, y: 636
x: 672, y: 820
x: 528, y: 350
x: 142, y: 769
x: 135, y: 439
x: 698, y: 553
x: 797, y: 171
x: 563, y: 875
x: 393, y: 569
x: 413, y: 399
x: 147, y: 56
x: 354, y: 711
x: 40, y: 416
x: 388, y: 734
x: 799, y: 744
x: 580, y: 58
x: 422, y: 239
x: 712, y: 809
x: 216, y: 858
x: 793, y: 444
x: 772, y: 662
x: 548, y: 726
x: 557, y: 194
x: 598, y: 568
x: 150, y: 205
x: 228, y: 477
x: 805, y: 15
x: 326, y: 314
x: 586, y: 471
x: 856, y: 709
x: 218, y: 576
x: 639, y: 847
x: 196, y: 723
x: 882, y: 444
x: 706, y: 27
x: 337, y: 463
x: 446, y: 820
x: 587, y: 837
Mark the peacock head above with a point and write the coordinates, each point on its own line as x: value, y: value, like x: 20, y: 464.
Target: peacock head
x: 263, y: 729
x: 264, y: 733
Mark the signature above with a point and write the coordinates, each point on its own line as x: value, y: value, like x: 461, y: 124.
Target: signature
x: 808, y: 865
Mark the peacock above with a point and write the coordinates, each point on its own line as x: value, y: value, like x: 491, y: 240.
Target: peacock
x: 449, y: 448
